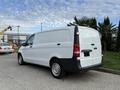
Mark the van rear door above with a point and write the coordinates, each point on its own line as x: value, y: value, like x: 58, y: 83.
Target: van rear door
x: 90, y: 47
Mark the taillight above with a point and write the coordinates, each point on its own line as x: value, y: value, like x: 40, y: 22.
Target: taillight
x: 76, y: 46
x: 76, y: 50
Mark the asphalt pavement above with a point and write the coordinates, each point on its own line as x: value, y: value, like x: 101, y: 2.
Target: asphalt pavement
x: 33, y: 77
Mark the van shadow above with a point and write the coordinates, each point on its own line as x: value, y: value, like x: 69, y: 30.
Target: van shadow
x: 1, y: 54
x: 77, y: 76
x: 82, y: 76
x: 39, y: 68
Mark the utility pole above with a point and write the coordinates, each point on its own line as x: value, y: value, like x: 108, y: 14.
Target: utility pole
x: 41, y: 26
x: 18, y: 27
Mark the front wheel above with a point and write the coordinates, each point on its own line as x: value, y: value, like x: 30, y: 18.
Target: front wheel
x: 57, y: 70
x: 20, y: 60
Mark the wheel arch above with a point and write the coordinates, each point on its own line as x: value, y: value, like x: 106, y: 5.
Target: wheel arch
x: 53, y: 59
x: 18, y: 54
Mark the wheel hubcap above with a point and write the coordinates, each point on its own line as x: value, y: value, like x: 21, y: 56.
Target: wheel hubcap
x: 56, y: 69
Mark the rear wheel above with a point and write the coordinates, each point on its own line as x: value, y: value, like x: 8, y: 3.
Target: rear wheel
x: 84, y: 71
x: 57, y: 70
x: 20, y: 60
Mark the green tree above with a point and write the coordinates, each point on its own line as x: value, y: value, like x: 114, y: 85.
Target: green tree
x: 84, y: 21
x: 105, y: 28
x: 118, y: 37
x: 93, y: 23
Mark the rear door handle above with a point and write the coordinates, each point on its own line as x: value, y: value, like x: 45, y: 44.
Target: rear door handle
x: 95, y: 48
x: 87, y: 50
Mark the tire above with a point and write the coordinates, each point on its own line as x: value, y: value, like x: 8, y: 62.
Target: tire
x: 85, y: 71
x: 57, y: 70
x: 20, y: 60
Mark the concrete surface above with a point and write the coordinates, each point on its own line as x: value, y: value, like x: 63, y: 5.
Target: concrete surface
x: 32, y: 77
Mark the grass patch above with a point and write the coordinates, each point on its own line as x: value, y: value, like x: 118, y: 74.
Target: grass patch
x: 111, y: 60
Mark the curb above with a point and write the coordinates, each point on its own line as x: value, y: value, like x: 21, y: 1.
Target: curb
x: 107, y: 70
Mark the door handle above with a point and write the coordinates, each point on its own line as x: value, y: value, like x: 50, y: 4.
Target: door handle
x: 30, y: 46
x: 92, y: 44
x: 58, y: 44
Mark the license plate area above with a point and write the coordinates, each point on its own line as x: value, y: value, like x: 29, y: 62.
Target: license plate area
x: 86, y: 52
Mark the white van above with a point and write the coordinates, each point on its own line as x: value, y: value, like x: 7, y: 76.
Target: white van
x: 68, y: 49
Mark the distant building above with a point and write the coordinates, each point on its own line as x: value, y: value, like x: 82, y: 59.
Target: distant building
x: 15, y: 37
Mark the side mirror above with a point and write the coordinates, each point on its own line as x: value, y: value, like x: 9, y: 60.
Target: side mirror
x: 24, y: 44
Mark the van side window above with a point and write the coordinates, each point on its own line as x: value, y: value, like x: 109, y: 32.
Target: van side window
x: 30, y: 40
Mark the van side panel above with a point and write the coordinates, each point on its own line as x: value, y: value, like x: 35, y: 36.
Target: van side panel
x: 52, y: 44
x: 59, y: 43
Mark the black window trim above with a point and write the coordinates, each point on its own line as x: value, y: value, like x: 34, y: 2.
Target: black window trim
x: 29, y: 39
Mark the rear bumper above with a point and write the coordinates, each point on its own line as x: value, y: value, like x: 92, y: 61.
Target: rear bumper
x: 73, y: 65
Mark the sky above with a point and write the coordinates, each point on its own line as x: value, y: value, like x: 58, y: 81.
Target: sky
x: 29, y: 14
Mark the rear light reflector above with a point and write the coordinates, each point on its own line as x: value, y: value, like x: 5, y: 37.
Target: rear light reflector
x: 76, y: 45
x: 76, y: 50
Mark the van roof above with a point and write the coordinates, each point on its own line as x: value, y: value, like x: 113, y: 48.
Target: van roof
x: 64, y: 28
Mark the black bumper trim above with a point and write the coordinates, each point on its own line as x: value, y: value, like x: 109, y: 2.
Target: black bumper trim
x: 73, y: 65
x: 91, y: 67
